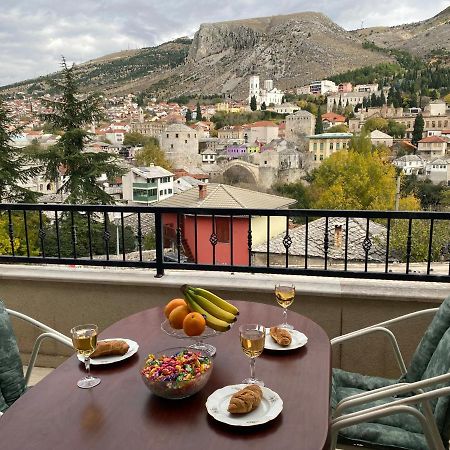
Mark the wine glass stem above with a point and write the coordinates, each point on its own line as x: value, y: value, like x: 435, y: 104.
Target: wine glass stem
x: 285, y: 316
x: 252, y: 368
x: 87, y: 365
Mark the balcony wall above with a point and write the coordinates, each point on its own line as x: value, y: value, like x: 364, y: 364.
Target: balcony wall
x: 62, y: 297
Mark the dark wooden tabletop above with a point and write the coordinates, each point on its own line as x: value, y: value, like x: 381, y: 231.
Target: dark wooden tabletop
x: 121, y: 413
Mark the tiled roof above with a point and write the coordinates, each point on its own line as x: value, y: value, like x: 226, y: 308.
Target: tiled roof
x: 331, y: 136
x: 336, y: 249
x: 433, y: 139
x: 407, y: 158
x: 225, y: 196
x: 332, y: 117
x: 263, y: 123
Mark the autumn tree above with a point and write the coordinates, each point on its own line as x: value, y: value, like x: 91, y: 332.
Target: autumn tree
x: 152, y: 154
x: 135, y: 139
x: 72, y: 114
x: 16, y: 167
x: 360, y: 178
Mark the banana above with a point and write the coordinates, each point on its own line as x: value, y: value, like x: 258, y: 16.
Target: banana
x: 213, y: 309
x: 211, y: 321
x: 220, y: 302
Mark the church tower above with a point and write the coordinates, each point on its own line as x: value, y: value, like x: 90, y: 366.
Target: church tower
x: 254, y: 88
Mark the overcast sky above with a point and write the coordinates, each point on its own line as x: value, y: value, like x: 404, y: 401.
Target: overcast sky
x: 35, y: 33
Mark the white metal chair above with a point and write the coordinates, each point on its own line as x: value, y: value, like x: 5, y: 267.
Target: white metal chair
x: 12, y: 381
x: 412, y: 412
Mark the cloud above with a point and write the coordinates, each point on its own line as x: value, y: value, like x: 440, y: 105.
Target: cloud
x: 35, y: 33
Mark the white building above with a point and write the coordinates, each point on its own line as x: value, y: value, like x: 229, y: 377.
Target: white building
x: 147, y: 184
x: 353, y: 99
x: 377, y: 137
x: 286, y: 108
x: 180, y: 144
x: 436, y: 108
x: 410, y: 164
x: 209, y: 156
x: 322, y: 87
x: 437, y: 171
x: 268, y: 94
x: 370, y: 88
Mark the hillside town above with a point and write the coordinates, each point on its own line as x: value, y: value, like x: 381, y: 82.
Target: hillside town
x: 255, y: 155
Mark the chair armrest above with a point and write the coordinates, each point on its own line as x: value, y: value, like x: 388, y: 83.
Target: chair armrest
x: 375, y: 329
x: 389, y: 391
x: 37, y: 345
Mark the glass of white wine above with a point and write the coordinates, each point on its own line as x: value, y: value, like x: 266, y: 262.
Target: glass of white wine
x: 285, y: 294
x: 252, y: 342
x: 84, y: 338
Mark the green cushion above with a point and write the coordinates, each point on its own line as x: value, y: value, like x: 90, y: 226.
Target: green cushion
x: 12, y: 381
x: 401, y: 430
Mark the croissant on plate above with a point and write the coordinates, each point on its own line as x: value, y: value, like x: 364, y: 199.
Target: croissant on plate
x: 281, y: 336
x: 110, y: 348
x: 245, y: 400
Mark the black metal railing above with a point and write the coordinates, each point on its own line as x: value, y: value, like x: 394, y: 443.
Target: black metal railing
x: 360, y: 244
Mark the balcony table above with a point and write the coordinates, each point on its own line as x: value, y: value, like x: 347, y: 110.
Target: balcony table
x: 121, y: 413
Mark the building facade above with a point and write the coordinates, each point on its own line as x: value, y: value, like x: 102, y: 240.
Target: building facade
x: 321, y: 146
x: 300, y: 123
x: 180, y: 144
x: 267, y: 94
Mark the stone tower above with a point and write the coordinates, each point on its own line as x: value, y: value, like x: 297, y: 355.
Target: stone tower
x: 254, y: 88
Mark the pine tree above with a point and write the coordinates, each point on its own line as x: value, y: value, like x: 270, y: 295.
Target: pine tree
x: 334, y: 109
x: 339, y: 108
x: 382, y: 99
x: 188, y: 115
x: 263, y: 106
x: 15, y: 166
x: 198, y: 113
x: 319, y: 125
x: 373, y: 100
x: 253, y: 105
x: 417, y: 130
x: 72, y: 113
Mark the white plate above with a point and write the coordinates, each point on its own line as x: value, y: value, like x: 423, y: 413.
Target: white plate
x: 133, y: 348
x: 217, y: 405
x: 298, y: 340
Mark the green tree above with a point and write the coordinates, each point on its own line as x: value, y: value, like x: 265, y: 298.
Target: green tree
x: 253, y: 105
x: 318, y: 129
x: 417, y: 129
x: 198, y: 113
x: 188, y: 115
x: 16, y: 167
x: 339, y: 128
x: 376, y: 123
x: 297, y: 191
x: 263, y: 106
x: 72, y: 114
x: 396, y: 129
x: 152, y: 154
x: 135, y: 139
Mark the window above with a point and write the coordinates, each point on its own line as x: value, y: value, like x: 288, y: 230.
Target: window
x: 169, y: 191
x: 171, y: 145
x: 223, y: 229
x: 185, y: 141
x: 344, y: 145
x: 189, y: 135
x: 338, y: 145
x: 161, y: 192
x: 315, y: 146
x: 331, y: 146
x: 321, y: 146
x: 321, y: 157
x: 176, y: 135
x: 315, y: 157
x: 167, y: 135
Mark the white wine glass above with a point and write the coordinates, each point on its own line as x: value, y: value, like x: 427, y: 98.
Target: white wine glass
x: 84, y: 339
x: 285, y: 294
x: 252, y: 342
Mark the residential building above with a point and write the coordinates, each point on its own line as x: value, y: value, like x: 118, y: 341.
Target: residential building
x: 370, y: 88
x: 438, y: 170
x: 147, y: 184
x: 436, y: 108
x: 432, y: 147
x: 300, y: 123
x: 353, y: 99
x: 231, y: 132
x: 195, y: 172
x: 286, y: 108
x: 115, y: 135
x: 322, y: 87
x: 185, y: 183
x: 330, y: 119
x: 151, y: 129
x: 410, y: 164
x: 180, y: 144
x: 263, y: 131
x: 321, y: 146
x: 209, y: 156
x: 228, y: 234
x: 345, y: 87
x: 267, y: 94
x: 379, y: 138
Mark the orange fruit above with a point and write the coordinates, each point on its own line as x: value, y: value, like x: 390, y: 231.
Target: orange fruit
x: 172, y: 305
x: 194, y: 324
x: 177, y: 316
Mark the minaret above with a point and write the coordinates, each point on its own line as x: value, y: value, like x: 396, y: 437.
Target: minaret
x: 254, y: 88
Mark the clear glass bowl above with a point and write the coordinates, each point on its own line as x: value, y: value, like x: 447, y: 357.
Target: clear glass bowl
x: 173, y: 389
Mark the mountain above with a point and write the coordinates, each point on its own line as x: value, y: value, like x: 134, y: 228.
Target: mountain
x: 425, y: 39
x: 292, y: 49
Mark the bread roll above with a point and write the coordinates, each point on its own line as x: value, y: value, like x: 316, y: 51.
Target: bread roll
x: 281, y: 336
x: 110, y: 348
x: 245, y: 400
